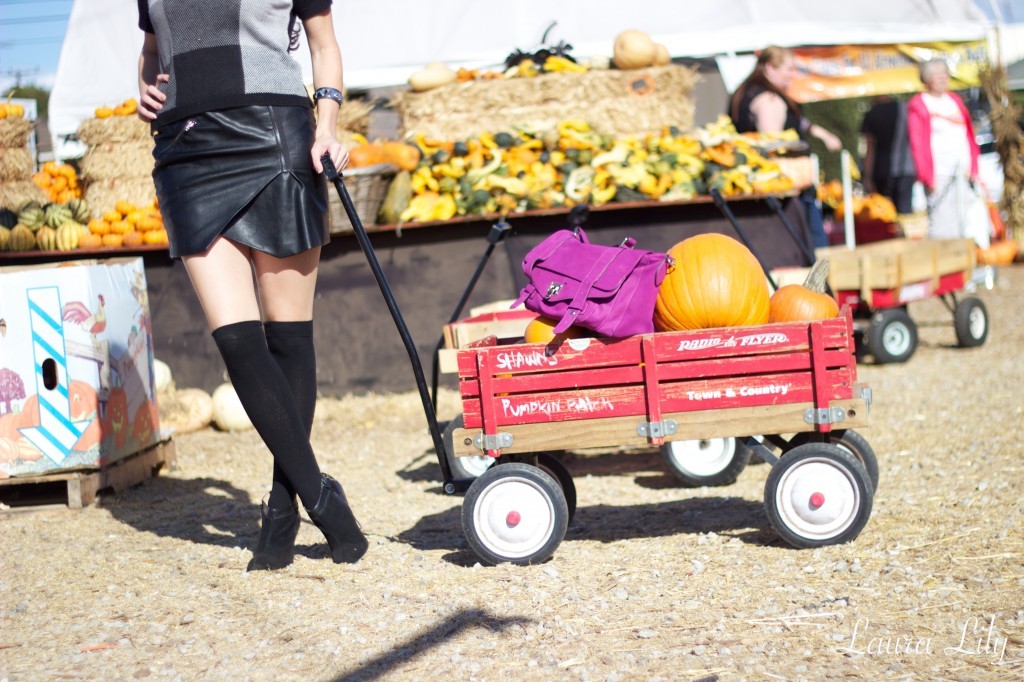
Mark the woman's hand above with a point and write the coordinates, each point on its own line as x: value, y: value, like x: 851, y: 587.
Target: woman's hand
x: 152, y: 98
x: 328, y: 144
x: 831, y: 141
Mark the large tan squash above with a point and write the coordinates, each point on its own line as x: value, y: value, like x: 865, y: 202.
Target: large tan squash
x: 634, y: 50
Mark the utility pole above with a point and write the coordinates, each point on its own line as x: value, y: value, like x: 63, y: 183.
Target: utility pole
x: 18, y: 74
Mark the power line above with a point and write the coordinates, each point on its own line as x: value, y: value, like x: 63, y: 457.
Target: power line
x: 33, y: 20
x: 31, y: 41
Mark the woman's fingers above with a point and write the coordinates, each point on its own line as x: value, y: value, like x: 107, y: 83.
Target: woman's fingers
x: 337, y: 152
x: 151, y: 100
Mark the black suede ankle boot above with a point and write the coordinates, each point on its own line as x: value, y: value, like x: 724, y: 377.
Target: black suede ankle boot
x: 335, y: 520
x: 276, y: 546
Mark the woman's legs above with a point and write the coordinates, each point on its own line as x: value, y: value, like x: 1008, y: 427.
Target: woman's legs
x: 286, y: 287
x: 223, y: 280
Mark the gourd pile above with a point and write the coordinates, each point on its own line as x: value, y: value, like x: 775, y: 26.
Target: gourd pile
x: 532, y: 167
x: 69, y: 226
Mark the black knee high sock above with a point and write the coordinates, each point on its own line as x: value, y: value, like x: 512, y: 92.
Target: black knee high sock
x: 267, y: 398
x: 291, y: 344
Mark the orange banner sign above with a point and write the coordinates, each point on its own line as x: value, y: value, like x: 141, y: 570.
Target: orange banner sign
x: 863, y: 70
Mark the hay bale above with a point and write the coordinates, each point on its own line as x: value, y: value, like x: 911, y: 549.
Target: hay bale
x: 97, y: 131
x: 15, y: 163
x: 14, y: 132
x: 121, y: 161
x: 615, y: 102
x: 354, y: 116
x: 102, y: 195
x: 15, y: 193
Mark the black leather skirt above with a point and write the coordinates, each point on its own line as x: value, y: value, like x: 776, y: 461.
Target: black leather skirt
x: 245, y: 174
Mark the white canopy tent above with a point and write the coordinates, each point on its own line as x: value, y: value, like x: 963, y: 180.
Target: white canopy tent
x: 383, y: 41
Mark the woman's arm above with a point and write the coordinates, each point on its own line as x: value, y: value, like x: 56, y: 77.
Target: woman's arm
x: 832, y: 142
x: 325, y: 56
x: 769, y: 112
x: 151, y: 98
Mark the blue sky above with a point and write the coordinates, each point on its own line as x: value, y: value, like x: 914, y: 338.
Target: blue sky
x: 31, y: 32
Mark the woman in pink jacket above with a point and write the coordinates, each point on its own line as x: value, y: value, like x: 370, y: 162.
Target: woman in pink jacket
x: 946, y: 155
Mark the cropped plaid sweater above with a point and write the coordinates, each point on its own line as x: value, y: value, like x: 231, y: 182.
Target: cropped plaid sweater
x: 222, y: 54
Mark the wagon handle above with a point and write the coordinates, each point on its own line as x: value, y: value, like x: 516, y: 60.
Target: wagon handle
x: 727, y: 212
x: 378, y: 273
x: 496, y: 234
x: 774, y: 204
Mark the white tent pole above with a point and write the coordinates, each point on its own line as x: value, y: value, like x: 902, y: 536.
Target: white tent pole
x: 844, y: 161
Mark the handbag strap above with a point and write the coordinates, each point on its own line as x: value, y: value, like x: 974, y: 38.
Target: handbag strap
x: 586, y: 285
x: 549, y: 246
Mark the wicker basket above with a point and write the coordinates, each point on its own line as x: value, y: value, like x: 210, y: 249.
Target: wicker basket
x: 367, y: 187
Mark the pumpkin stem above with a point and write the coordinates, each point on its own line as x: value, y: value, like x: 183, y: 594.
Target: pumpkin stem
x: 817, y: 277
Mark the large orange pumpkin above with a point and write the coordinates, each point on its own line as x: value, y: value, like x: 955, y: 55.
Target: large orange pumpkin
x: 715, y: 282
x: 804, y: 302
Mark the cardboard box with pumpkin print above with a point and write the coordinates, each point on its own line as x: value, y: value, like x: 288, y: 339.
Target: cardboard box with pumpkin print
x: 76, y: 366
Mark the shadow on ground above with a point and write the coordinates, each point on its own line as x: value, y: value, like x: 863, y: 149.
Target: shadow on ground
x: 208, y: 511
x: 405, y: 653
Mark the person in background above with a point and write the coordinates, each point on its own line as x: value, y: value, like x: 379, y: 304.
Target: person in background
x: 237, y: 174
x: 946, y: 155
x: 888, y: 164
x: 760, y: 104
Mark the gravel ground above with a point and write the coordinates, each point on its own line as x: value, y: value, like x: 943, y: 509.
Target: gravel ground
x: 653, y: 581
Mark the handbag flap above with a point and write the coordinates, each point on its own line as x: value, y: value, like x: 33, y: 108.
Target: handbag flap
x: 560, y: 277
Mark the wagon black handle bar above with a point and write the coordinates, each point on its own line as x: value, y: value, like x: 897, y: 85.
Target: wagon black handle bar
x: 720, y: 202
x: 334, y: 176
x: 494, y: 236
x: 776, y: 205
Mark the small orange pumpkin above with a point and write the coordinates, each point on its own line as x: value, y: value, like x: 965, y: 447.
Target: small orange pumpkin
x: 542, y: 330
x: 158, y: 236
x: 90, y: 241
x: 366, y: 155
x: 113, y: 239
x: 804, y: 302
x: 132, y: 238
x: 405, y: 156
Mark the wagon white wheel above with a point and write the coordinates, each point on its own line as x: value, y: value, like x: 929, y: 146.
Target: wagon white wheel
x: 516, y: 513
x: 970, y: 320
x: 707, y: 461
x: 463, y: 467
x: 818, y: 494
x: 892, y: 336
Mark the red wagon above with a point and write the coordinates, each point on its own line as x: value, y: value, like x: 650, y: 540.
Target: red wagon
x: 879, y: 280
x: 523, y: 401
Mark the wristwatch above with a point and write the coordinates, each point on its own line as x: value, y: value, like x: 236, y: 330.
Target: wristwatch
x: 328, y: 93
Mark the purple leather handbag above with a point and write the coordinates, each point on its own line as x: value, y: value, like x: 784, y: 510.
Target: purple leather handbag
x: 610, y: 290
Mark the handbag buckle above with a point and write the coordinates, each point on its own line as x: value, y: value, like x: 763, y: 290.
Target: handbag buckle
x: 553, y: 289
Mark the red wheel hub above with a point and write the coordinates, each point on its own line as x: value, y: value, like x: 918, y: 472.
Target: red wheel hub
x: 817, y: 499
x: 514, y: 518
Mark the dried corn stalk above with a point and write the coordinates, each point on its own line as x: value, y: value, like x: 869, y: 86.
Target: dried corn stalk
x: 1010, y: 145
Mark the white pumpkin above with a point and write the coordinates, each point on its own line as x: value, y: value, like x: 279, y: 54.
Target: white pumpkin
x: 634, y: 50
x: 433, y: 75
x: 661, y: 55
x: 228, y: 413
x: 186, y: 410
x: 161, y: 375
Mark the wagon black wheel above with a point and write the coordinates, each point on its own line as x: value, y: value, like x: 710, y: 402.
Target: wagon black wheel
x: 970, y: 319
x: 463, y: 467
x: 707, y: 461
x: 892, y: 336
x: 514, y: 513
x: 560, y: 473
x: 818, y: 494
x: 852, y: 442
